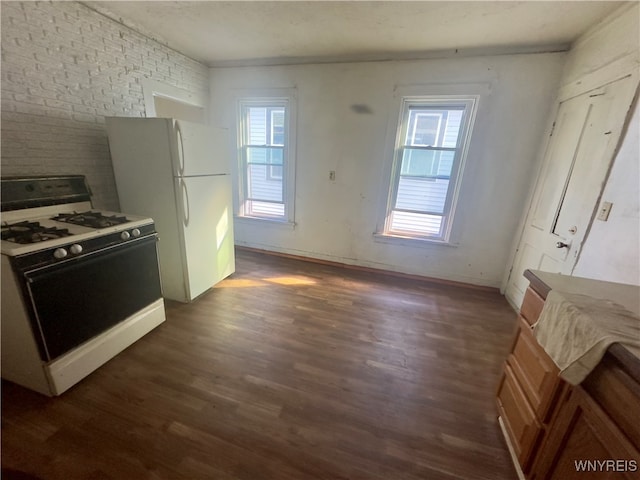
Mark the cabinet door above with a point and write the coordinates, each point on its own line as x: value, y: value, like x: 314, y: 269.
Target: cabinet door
x: 535, y: 371
x: 518, y: 417
x: 585, y: 443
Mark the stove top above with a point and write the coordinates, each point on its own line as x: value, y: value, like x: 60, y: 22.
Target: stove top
x: 26, y: 232
x: 91, y: 219
x: 33, y: 229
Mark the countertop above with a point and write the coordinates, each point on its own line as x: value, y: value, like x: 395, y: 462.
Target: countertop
x: 623, y: 294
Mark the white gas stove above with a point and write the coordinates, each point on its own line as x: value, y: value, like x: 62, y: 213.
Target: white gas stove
x: 78, y: 285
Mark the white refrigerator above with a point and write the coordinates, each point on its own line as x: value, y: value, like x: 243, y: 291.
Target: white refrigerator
x: 178, y: 173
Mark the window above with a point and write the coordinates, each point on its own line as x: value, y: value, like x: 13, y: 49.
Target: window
x: 266, y: 172
x: 431, y: 143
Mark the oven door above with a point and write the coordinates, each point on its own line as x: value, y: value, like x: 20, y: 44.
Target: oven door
x: 78, y: 299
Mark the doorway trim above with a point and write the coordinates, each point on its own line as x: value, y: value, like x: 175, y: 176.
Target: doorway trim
x: 152, y: 89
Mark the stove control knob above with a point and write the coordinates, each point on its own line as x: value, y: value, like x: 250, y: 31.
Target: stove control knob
x: 135, y: 232
x: 125, y: 235
x: 75, y: 249
x: 60, y: 253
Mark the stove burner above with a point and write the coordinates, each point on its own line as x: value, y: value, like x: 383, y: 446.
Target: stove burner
x: 91, y: 219
x: 31, y: 232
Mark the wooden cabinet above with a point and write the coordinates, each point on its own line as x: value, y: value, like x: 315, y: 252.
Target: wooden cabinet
x: 585, y: 443
x: 528, y: 388
x: 556, y: 431
x: 535, y: 371
x: 518, y: 417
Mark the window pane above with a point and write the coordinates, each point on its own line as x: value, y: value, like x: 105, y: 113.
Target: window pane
x: 423, y: 128
x: 265, y: 155
x: 262, y: 185
x: 276, y: 156
x: 264, y: 208
x: 452, y: 128
x: 445, y: 163
x: 416, y: 223
x: 419, y: 162
x: 257, y: 155
x: 257, y: 126
x: 422, y: 194
x: 277, y: 126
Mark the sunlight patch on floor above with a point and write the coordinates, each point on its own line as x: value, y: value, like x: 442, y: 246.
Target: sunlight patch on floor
x: 291, y: 280
x: 239, y: 283
x: 245, y: 282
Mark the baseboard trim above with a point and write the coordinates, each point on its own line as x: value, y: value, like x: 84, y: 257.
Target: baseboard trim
x: 380, y: 271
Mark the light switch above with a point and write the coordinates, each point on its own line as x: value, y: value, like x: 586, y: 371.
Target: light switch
x: 605, y: 208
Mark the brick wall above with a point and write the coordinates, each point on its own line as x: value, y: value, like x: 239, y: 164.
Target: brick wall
x: 64, y: 68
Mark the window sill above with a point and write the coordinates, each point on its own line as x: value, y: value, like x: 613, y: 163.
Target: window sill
x: 270, y: 222
x: 410, y: 241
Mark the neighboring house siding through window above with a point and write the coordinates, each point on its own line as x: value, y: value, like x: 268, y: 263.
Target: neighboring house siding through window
x: 265, y: 159
x: 430, y: 147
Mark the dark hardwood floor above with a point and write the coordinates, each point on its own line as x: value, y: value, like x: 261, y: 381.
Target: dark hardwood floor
x: 286, y: 370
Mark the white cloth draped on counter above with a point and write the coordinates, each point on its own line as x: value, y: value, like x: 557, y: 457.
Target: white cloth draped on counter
x: 576, y: 330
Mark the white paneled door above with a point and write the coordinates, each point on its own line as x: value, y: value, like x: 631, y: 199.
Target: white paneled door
x: 578, y: 156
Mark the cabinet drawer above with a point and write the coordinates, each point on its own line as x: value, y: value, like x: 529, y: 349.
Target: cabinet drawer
x: 519, y: 418
x: 531, y: 306
x: 535, y: 371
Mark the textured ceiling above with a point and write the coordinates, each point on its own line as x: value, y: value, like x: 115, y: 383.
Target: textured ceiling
x: 246, y: 32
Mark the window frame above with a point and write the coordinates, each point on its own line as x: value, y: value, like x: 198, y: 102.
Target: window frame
x: 278, y: 100
x: 400, y: 130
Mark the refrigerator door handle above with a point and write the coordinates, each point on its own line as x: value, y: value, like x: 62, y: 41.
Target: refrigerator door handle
x: 181, y: 159
x: 185, y: 204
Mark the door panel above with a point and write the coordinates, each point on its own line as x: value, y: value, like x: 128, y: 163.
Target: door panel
x: 569, y: 125
x: 202, y: 150
x: 588, y: 172
x: 578, y: 157
x: 207, y: 226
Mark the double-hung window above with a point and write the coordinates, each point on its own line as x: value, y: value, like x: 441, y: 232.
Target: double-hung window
x: 265, y: 172
x: 431, y: 143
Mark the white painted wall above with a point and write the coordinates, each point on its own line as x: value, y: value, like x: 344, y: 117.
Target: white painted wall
x: 336, y: 220
x: 609, y: 46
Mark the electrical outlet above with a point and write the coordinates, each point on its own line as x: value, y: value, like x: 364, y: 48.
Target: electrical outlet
x: 332, y: 175
x: 605, y: 209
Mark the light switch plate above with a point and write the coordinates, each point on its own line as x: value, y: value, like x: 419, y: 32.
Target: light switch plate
x: 605, y: 209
